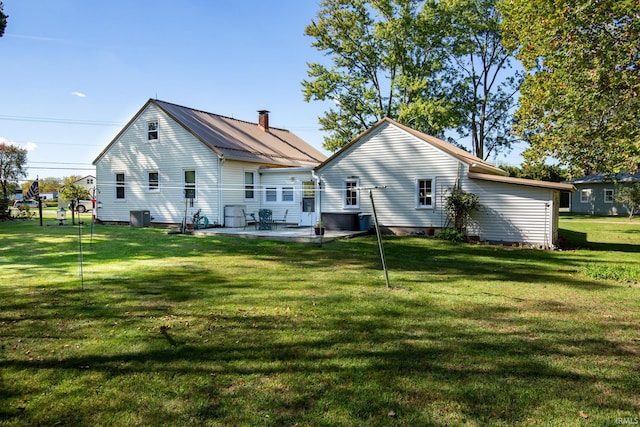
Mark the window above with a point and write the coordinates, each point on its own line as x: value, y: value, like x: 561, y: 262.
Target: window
x: 152, y: 130
x: 249, y: 185
x: 189, y: 184
x: 351, y: 193
x: 287, y: 194
x: 608, y: 195
x: 424, y: 193
x: 153, y: 182
x: 120, y: 186
x: 89, y: 181
x: 271, y: 194
x: 585, y: 195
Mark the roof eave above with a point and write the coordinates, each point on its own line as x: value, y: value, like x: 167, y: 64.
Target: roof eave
x: 521, y: 181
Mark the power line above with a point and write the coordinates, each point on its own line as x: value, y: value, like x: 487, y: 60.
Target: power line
x: 59, y: 121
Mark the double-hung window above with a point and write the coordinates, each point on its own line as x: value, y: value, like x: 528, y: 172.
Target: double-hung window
x: 152, y: 130
x: 120, y: 185
x: 585, y: 195
x: 351, y: 193
x: 425, y: 193
x: 153, y: 182
x: 608, y: 195
x: 249, y: 185
x: 271, y: 194
x: 189, y: 184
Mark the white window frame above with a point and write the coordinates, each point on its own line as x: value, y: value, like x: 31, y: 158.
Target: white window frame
x: 120, y: 184
x: 249, y: 187
x: 585, y: 195
x: 278, y: 191
x: 157, y: 182
x: 433, y: 192
x: 288, y: 189
x: 609, y: 194
x: 192, y: 186
x: 356, y: 182
x: 271, y: 190
x: 151, y: 131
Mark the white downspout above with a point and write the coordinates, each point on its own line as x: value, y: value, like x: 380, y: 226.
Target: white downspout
x: 318, y: 201
x: 220, y: 190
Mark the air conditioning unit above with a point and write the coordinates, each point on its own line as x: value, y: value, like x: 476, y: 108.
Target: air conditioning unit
x: 139, y: 218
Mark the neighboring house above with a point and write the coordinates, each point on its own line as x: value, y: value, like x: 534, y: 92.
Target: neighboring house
x: 595, y: 193
x: 414, y: 173
x: 87, y: 182
x: 172, y: 161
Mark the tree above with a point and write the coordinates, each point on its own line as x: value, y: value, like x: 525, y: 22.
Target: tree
x: 384, y: 64
x: 73, y: 192
x: 629, y: 197
x: 486, y: 88
x: 3, y: 19
x: 433, y: 65
x: 12, y: 168
x: 580, y: 100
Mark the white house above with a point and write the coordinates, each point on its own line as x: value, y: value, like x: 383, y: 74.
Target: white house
x: 172, y: 160
x: 411, y: 174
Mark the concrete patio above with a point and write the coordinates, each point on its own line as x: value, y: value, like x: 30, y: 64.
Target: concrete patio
x: 281, y: 233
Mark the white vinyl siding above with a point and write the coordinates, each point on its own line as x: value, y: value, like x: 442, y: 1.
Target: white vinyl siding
x: 176, y: 151
x: 391, y: 160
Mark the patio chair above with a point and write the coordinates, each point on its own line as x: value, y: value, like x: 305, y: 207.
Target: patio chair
x: 265, y: 219
x: 282, y: 220
x: 249, y: 218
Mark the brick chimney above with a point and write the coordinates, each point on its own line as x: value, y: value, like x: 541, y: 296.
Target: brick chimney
x: 263, y: 120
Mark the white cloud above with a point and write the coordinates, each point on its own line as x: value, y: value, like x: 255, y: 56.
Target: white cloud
x: 79, y: 94
x: 29, y: 146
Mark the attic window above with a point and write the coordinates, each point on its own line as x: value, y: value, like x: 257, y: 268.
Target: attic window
x: 152, y: 130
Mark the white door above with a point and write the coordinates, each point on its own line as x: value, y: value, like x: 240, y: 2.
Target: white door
x: 307, y: 214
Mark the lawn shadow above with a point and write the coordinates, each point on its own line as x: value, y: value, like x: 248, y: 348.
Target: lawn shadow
x: 570, y: 239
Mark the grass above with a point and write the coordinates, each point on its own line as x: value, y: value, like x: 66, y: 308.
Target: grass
x: 188, y: 330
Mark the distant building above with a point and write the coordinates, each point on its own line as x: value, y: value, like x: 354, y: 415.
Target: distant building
x: 595, y: 194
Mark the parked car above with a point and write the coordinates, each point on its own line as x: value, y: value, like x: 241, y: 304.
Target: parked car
x: 22, y: 203
x: 83, y: 205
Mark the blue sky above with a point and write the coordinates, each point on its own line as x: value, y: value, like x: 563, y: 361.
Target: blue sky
x: 75, y: 71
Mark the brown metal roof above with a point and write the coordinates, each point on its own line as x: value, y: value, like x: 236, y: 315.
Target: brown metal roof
x: 521, y: 181
x: 239, y: 140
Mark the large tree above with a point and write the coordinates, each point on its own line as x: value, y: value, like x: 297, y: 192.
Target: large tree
x: 3, y: 19
x: 382, y: 65
x: 580, y: 101
x: 434, y: 65
x: 12, y: 167
x: 486, y: 84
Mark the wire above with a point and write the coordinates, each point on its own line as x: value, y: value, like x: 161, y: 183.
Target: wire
x: 58, y: 120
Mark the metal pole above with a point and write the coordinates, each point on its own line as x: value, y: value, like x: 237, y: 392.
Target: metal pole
x: 375, y: 221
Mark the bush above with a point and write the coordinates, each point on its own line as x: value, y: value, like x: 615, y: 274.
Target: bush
x: 451, y: 235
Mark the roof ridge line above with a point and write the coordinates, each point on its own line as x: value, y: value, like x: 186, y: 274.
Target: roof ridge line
x: 218, y: 115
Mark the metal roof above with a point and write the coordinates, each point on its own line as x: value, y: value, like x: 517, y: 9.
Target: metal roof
x: 603, y: 177
x: 236, y: 139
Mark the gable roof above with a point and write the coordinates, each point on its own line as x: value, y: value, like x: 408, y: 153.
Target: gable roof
x: 478, y: 168
x: 603, y: 177
x: 235, y: 139
x: 476, y: 164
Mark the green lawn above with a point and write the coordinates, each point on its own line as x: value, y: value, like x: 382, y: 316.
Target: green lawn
x: 191, y: 330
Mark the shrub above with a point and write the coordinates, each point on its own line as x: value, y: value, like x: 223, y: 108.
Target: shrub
x: 451, y: 235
